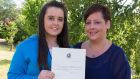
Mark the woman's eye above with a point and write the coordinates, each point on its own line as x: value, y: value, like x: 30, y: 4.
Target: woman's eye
x: 51, y: 18
x: 87, y: 23
x: 97, y: 22
x: 60, y: 19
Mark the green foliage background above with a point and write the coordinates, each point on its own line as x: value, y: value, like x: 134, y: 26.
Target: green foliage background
x: 125, y: 27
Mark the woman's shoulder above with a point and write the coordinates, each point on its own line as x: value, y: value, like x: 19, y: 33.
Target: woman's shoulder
x: 32, y: 40
x: 118, y: 52
x: 117, y: 48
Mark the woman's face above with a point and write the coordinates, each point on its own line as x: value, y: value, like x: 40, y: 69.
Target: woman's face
x: 96, y: 27
x: 53, y: 21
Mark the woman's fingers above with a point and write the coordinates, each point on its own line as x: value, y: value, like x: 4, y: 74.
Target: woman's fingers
x: 50, y: 74
x: 46, y: 74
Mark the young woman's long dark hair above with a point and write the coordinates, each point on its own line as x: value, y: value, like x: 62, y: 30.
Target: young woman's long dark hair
x: 62, y: 38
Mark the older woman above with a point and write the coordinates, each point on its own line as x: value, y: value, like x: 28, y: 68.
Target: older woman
x: 104, y: 59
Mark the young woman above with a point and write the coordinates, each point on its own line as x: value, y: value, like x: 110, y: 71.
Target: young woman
x: 104, y: 59
x: 32, y: 58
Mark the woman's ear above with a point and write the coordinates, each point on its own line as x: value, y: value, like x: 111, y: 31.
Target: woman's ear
x: 108, y: 24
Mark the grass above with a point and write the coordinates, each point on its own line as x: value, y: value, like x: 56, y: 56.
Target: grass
x: 4, y: 62
x: 4, y: 67
x: 5, y: 59
x: 5, y: 47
